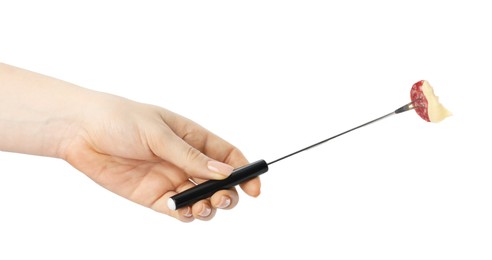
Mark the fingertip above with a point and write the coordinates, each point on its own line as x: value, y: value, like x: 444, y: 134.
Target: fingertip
x: 202, y: 210
x: 252, y: 187
x: 225, y: 199
x: 224, y: 202
x: 185, y: 214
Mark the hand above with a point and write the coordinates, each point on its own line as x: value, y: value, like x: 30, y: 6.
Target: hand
x: 141, y: 152
x: 147, y: 154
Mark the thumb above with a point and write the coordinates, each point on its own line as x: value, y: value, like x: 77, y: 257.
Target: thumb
x: 186, y: 157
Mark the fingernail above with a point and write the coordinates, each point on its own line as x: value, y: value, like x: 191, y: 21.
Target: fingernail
x: 205, y: 212
x: 224, y: 202
x: 220, y: 168
x: 188, y: 212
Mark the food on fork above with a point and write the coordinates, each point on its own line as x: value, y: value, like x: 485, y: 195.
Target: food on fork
x: 426, y: 103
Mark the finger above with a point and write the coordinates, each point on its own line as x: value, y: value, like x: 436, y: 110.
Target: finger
x: 203, y: 210
x: 212, y: 146
x: 199, y: 210
x: 225, y: 199
x: 169, y: 147
x: 235, y: 158
x: 184, y: 214
x: 205, y: 141
x: 251, y: 187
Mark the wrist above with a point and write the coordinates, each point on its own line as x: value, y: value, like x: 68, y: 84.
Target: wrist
x: 37, y: 113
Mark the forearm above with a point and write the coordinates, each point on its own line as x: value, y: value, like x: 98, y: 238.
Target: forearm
x: 36, y: 112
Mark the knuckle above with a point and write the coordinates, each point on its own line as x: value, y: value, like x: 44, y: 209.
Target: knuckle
x: 192, y: 154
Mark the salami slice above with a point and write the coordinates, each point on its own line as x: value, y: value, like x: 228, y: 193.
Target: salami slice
x: 426, y: 103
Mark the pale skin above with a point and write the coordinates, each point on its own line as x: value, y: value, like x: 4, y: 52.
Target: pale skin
x: 141, y: 152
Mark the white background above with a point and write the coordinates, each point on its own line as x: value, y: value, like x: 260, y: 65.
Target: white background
x: 270, y: 77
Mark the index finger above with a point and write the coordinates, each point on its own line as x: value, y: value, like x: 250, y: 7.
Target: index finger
x: 211, y: 145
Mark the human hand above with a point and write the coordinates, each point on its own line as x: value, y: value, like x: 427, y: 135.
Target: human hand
x: 147, y: 154
x: 141, y: 152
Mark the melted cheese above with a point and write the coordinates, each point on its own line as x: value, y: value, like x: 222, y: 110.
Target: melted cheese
x: 436, y: 111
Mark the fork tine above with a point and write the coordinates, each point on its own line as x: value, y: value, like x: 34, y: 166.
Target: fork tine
x: 405, y: 108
